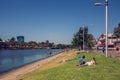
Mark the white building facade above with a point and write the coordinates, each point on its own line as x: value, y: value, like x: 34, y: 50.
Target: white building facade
x: 112, y: 40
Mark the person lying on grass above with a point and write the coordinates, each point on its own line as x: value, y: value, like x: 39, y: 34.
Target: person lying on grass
x: 92, y: 62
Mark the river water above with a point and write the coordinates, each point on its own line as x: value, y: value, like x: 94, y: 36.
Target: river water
x: 10, y: 59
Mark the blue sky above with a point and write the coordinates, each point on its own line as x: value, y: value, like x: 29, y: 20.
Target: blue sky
x: 54, y: 20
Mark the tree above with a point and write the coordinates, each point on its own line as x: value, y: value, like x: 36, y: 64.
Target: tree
x: 61, y: 46
x: 117, y: 31
x: 78, y: 38
x: 90, y: 40
x: 47, y: 43
x: 1, y: 40
x: 51, y: 45
x: 12, y: 39
x: 32, y: 44
x: 1, y: 43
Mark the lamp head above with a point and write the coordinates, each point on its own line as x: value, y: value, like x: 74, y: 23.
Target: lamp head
x: 98, y: 4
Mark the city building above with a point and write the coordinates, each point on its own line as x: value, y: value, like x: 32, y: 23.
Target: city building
x: 20, y: 38
x: 112, y: 40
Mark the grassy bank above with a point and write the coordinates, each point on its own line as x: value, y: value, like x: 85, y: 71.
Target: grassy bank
x: 60, y: 69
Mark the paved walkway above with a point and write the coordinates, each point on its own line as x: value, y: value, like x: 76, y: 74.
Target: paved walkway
x: 112, y: 53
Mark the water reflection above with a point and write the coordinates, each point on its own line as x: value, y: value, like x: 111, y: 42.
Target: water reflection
x: 10, y: 59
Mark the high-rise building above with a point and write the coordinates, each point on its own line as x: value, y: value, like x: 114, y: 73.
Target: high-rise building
x: 20, y: 38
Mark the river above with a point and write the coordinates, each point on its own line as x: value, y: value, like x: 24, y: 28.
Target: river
x: 10, y: 59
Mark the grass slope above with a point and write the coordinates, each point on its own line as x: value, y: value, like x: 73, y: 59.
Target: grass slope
x: 106, y: 69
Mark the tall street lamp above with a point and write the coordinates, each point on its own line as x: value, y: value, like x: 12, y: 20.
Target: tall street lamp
x: 83, y: 37
x: 106, y: 21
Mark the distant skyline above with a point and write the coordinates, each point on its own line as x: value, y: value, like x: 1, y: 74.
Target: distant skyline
x: 55, y: 20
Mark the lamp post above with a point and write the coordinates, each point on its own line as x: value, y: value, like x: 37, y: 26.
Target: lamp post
x: 106, y: 21
x: 83, y: 38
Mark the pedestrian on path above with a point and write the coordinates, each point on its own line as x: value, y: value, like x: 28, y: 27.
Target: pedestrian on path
x: 103, y: 49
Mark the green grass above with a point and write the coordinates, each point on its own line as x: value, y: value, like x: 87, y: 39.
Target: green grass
x: 106, y: 69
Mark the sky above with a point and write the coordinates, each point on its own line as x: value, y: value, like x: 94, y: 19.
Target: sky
x: 55, y: 20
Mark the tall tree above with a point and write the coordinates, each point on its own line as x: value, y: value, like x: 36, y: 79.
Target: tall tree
x: 47, y: 43
x: 81, y: 35
x: 78, y: 38
x: 90, y: 40
x: 117, y: 31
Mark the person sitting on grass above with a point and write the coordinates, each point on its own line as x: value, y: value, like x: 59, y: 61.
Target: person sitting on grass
x: 92, y: 62
x: 82, y: 60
